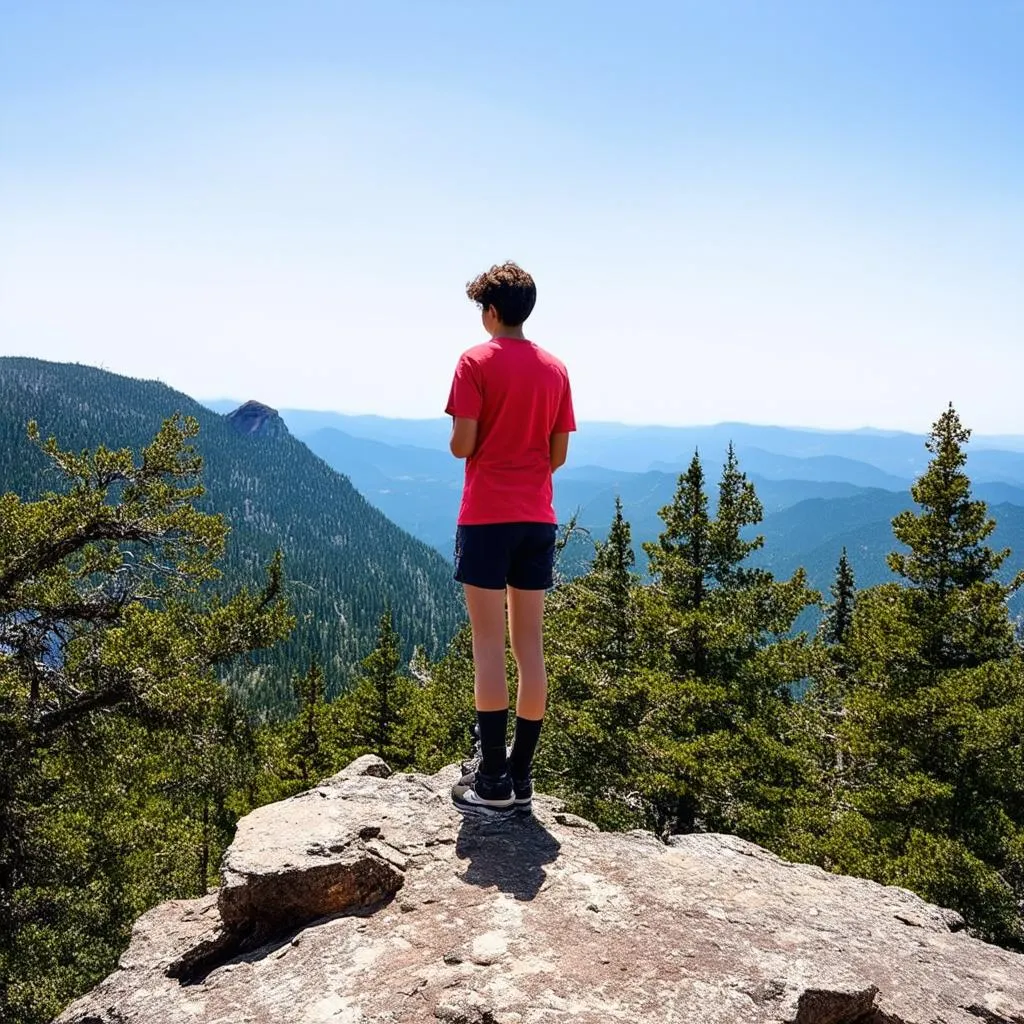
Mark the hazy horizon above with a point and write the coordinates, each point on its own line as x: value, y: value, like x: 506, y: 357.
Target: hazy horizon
x: 209, y: 401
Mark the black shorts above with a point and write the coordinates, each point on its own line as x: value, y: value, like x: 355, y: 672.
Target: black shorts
x: 496, y: 555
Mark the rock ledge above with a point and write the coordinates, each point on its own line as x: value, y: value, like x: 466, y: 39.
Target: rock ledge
x: 368, y: 898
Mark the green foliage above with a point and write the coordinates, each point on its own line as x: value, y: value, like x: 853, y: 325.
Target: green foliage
x: 838, y: 618
x: 123, y: 754
x: 919, y: 748
x: 443, y: 712
x: 345, y: 561
x: 374, y: 715
x: 671, y: 703
x: 668, y: 702
x: 305, y: 756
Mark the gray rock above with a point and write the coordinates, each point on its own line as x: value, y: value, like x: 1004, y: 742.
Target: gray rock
x: 534, y: 921
x: 368, y: 764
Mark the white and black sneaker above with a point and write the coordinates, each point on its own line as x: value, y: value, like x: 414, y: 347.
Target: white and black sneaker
x: 477, y: 793
x: 522, y: 790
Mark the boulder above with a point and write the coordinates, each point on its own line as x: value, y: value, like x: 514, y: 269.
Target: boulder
x: 369, y: 899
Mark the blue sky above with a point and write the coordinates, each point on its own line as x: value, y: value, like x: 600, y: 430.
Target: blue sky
x: 797, y: 213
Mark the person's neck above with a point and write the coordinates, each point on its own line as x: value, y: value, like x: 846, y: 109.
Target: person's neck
x: 510, y: 332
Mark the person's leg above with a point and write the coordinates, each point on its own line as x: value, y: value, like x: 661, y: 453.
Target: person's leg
x: 481, y: 566
x: 531, y: 572
x: 487, y: 618
x: 526, y: 621
x: 526, y: 629
x: 489, y: 788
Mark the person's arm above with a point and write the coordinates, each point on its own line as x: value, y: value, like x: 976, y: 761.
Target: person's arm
x: 565, y: 424
x: 559, y: 449
x: 463, y: 439
x: 465, y: 403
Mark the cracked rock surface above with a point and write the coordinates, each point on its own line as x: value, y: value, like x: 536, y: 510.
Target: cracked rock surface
x: 369, y: 899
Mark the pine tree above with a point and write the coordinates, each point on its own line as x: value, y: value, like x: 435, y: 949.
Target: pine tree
x: 838, y: 618
x: 958, y: 601
x: 375, y: 715
x: 443, y: 708
x: 305, y: 738
x: 681, y: 557
x: 738, y: 508
x: 936, y: 702
x: 681, y: 564
x: 726, y: 626
x: 612, y: 580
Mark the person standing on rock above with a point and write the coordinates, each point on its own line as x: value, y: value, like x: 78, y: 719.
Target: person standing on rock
x: 511, y: 409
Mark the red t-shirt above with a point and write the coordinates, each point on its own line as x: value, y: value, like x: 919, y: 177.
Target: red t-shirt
x: 519, y: 395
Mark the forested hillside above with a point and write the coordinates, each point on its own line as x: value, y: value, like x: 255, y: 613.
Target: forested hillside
x: 343, y: 559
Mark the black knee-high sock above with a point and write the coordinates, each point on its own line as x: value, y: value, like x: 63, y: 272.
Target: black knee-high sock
x: 524, y: 745
x: 493, y: 733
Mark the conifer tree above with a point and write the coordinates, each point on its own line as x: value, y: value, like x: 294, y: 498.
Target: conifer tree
x: 738, y: 508
x: 443, y: 709
x: 681, y: 557
x: 725, y: 624
x: 958, y: 602
x: 838, y: 618
x: 612, y: 579
x: 681, y: 563
x: 120, y: 746
x: 374, y: 716
x: 305, y: 736
x: 933, y: 801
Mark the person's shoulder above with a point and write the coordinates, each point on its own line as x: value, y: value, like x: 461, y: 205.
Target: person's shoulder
x: 478, y: 353
x: 550, y: 359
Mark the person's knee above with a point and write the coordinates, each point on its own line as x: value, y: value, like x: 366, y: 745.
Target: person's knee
x: 528, y: 650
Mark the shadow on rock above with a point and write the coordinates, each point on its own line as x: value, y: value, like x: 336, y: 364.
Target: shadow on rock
x: 508, y: 853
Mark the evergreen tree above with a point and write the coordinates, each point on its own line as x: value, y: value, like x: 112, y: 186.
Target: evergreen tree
x: 680, y: 559
x: 306, y: 741
x: 611, y: 580
x: 375, y: 715
x: 838, y: 618
x: 932, y: 799
x: 726, y: 626
x: 443, y: 708
x: 738, y: 508
x: 957, y: 600
x: 680, y: 562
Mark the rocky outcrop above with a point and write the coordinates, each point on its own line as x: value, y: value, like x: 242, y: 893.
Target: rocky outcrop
x: 258, y: 420
x: 368, y: 899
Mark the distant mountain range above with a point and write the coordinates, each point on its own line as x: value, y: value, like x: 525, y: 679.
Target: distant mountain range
x: 640, y: 448
x: 821, y: 490
x: 345, y: 559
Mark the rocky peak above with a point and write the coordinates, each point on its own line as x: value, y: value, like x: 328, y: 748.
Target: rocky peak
x: 257, y: 419
x: 368, y: 899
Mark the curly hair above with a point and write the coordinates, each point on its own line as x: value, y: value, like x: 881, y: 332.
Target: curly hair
x: 509, y: 289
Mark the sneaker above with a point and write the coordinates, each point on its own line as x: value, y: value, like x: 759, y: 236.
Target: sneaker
x: 522, y: 788
x: 476, y: 793
x: 523, y: 792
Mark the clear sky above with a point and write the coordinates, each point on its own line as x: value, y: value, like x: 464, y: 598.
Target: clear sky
x: 778, y: 212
